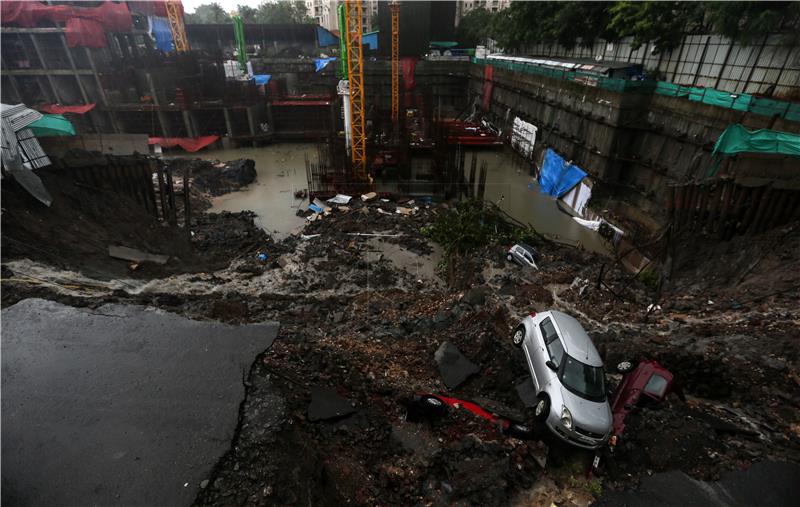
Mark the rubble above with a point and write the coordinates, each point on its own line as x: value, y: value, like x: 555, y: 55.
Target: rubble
x: 326, y: 403
x: 454, y: 367
x: 353, y: 316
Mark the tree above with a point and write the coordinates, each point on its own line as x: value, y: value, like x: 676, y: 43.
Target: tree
x: 749, y: 21
x: 208, y: 13
x: 283, y: 12
x: 247, y: 13
x: 474, y: 27
x: 374, y: 22
x: 663, y: 23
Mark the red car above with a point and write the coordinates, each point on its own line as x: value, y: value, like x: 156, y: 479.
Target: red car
x: 648, y: 379
x: 438, y: 405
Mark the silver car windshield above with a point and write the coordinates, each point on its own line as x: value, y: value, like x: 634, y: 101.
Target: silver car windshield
x: 584, y: 380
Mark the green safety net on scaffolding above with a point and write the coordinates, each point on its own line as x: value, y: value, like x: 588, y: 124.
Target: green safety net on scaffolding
x: 343, y: 56
x: 711, y: 96
x: 737, y: 139
x: 241, y: 47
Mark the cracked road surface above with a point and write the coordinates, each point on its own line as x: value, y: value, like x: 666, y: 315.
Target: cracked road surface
x: 121, y: 405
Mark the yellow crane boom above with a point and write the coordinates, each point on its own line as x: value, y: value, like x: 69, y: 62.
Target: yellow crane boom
x: 176, y: 25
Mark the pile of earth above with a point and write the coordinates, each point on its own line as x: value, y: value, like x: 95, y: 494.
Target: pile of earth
x: 76, y: 231
x: 217, y: 178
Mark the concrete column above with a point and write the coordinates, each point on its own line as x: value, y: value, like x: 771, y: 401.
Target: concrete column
x: 45, y: 66
x: 77, y: 79
x: 14, y: 86
x: 162, y: 118
x: 251, y: 121
x: 102, y: 92
x: 228, y: 124
x: 187, y: 121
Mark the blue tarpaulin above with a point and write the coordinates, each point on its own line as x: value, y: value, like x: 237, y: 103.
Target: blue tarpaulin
x: 162, y: 33
x: 370, y: 40
x: 262, y: 79
x: 320, y: 63
x: 557, y: 176
x: 326, y: 38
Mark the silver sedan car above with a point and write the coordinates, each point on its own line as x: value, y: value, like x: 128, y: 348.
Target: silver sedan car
x: 568, y: 375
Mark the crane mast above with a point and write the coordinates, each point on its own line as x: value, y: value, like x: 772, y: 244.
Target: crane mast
x: 395, y: 9
x: 355, y: 76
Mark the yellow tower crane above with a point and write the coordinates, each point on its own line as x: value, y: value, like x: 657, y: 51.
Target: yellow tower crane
x: 176, y: 25
x: 355, y: 75
x: 395, y: 9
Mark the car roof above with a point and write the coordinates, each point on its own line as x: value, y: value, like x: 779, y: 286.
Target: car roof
x: 529, y: 248
x: 576, y: 342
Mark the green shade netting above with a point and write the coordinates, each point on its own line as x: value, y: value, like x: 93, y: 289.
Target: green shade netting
x: 737, y: 139
x: 52, y: 125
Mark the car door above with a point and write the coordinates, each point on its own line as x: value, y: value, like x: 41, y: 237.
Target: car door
x: 547, y: 349
x: 528, y: 258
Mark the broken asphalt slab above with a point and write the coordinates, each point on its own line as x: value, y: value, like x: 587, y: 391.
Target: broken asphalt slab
x: 328, y: 404
x: 121, y: 405
x: 764, y: 483
x: 453, y: 366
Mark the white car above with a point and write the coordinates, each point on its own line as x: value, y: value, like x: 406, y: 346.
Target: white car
x: 522, y: 254
x: 568, y: 375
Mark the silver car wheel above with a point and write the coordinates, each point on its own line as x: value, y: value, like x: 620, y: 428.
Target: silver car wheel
x: 518, y: 337
x: 624, y: 366
x: 540, y: 407
x: 510, y: 257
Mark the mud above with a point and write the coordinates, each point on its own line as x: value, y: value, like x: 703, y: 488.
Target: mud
x: 356, y: 321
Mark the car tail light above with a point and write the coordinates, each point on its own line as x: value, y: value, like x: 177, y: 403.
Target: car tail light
x: 533, y: 313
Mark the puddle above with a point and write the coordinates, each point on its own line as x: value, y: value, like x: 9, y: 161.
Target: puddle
x: 281, y: 171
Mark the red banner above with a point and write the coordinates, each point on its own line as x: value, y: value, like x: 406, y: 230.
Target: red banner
x: 190, y: 144
x: 61, y: 109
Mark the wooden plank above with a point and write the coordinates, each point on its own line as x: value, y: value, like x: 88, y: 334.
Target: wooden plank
x: 173, y: 217
x: 763, y: 202
x: 133, y: 255
x: 187, y: 202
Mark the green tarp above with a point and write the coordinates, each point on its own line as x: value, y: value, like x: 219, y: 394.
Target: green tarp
x: 52, y: 125
x: 737, y: 139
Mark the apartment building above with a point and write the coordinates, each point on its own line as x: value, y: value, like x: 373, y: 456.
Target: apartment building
x: 324, y: 12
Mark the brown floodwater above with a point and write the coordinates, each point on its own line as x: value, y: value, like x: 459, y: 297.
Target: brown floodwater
x: 281, y: 171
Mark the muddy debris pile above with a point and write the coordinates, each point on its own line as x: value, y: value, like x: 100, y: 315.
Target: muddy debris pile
x: 326, y: 415
x: 217, y: 178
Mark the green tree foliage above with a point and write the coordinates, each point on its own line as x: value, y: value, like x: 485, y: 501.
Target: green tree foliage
x: 374, y: 22
x: 274, y: 11
x: 208, y: 13
x: 662, y: 23
x: 567, y: 23
x: 247, y: 13
x: 475, y: 27
x: 283, y: 12
x: 749, y: 21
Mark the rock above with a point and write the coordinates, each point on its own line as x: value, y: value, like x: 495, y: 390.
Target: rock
x: 453, y: 366
x: 327, y: 404
x: 476, y: 296
x: 204, y: 484
x: 527, y: 392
